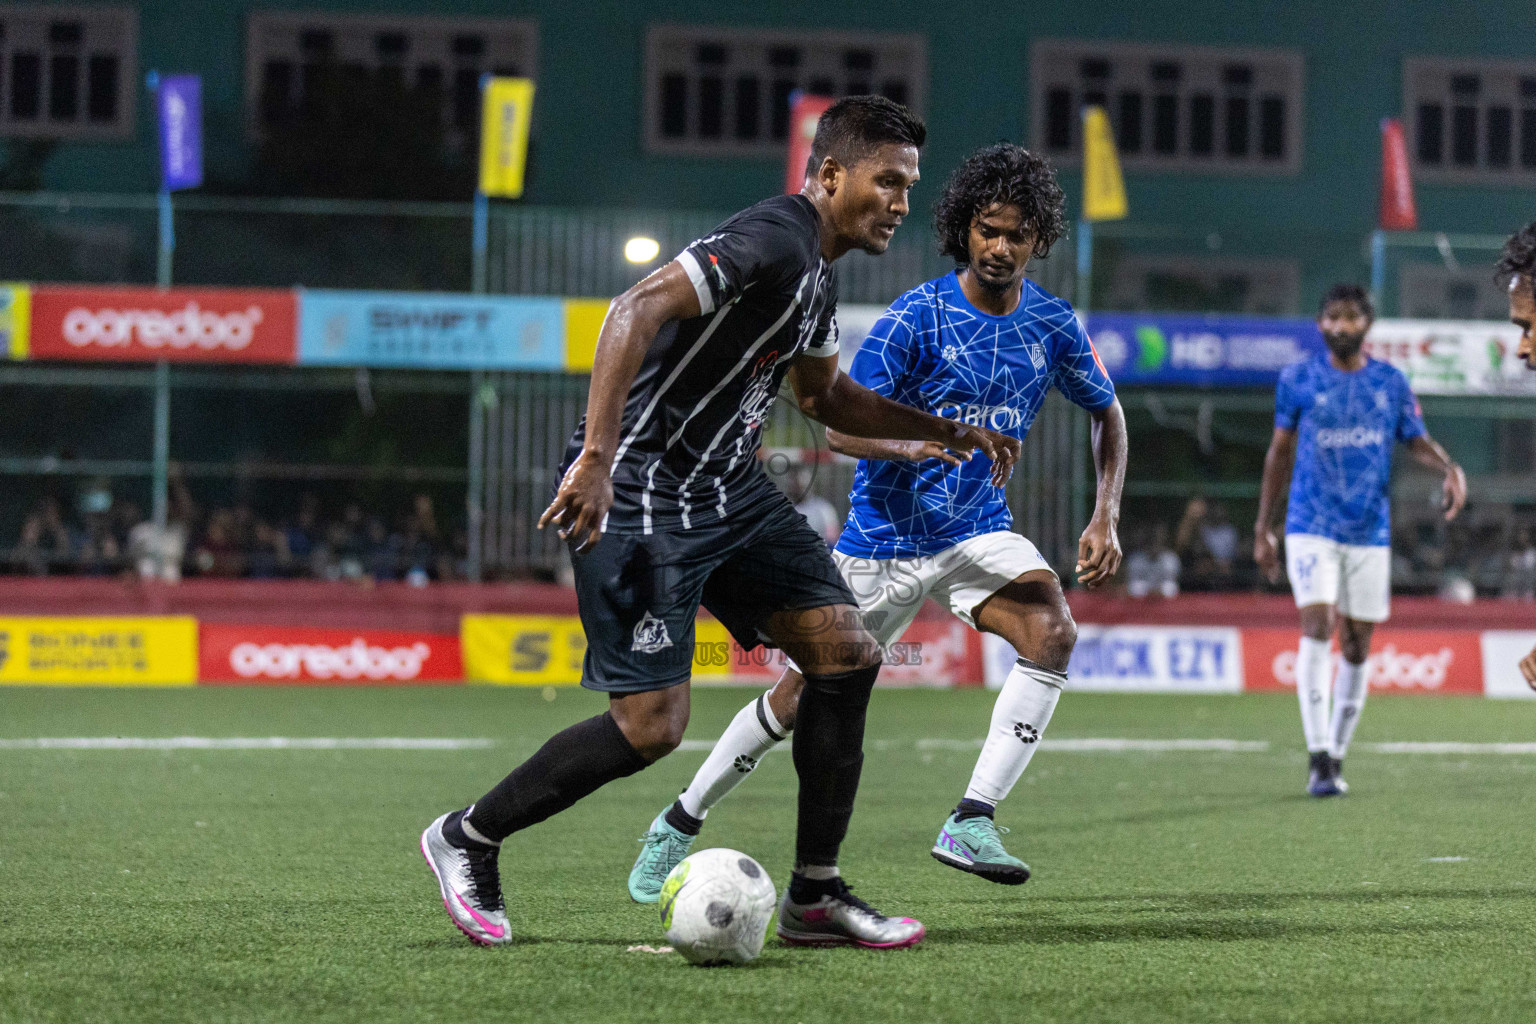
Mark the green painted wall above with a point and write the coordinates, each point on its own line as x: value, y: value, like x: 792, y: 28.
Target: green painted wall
x: 587, y: 127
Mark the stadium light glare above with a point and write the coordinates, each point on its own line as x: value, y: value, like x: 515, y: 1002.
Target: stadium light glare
x: 641, y: 249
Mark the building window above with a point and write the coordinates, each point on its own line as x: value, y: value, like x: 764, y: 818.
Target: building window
x: 68, y: 72
x: 1471, y: 120
x: 725, y: 92
x: 292, y: 58
x: 1176, y: 108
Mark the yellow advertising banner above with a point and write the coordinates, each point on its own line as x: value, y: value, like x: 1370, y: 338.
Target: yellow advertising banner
x: 547, y: 650
x: 15, y: 320
x: 90, y: 650
x: 1103, y: 186
x: 583, y: 320
x: 506, y: 113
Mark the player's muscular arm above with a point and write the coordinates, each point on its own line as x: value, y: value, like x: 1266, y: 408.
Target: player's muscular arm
x: 1098, y: 550
x: 1278, y: 462
x: 633, y: 321
x: 1427, y: 452
x: 892, y: 451
x: 828, y: 395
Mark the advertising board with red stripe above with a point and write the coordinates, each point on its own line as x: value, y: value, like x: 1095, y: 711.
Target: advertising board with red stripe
x: 201, y: 325
x: 1401, y: 660
x: 284, y: 655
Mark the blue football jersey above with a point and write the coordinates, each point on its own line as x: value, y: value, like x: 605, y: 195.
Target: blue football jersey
x: 1346, y: 426
x: 934, y: 350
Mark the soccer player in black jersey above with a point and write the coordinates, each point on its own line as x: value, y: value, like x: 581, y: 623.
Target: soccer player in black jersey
x: 665, y: 507
x: 1517, y: 266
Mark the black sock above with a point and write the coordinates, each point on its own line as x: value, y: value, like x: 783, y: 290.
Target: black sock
x: 974, y: 809
x: 809, y: 890
x: 681, y: 820
x: 453, y: 831
x: 1319, y: 761
x: 829, y: 754
x: 566, y: 768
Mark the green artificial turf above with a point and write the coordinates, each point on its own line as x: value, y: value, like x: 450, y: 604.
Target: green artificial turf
x: 286, y: 885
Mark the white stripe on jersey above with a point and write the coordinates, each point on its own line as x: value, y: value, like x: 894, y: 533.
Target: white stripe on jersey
x: 690, y: 264
x: 731, y: 421
x: 682, y: 364
x: 741, y: 363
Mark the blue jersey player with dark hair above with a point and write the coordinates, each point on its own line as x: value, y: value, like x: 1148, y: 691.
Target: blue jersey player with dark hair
x: 982, y: 345
x: 1338, y: 417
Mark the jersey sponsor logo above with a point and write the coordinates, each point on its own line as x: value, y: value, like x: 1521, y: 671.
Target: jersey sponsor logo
x: 759, y: 396
x: 993, y: 417
x: 1350, y: 437
x: 650, y: 635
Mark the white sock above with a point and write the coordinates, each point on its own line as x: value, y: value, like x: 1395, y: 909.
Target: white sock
x: 1312, y: 691
x: 1019, y: 718
x: 752, y: 733
x: 1349, y: 690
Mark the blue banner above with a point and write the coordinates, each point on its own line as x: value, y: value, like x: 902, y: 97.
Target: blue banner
x: 1206, y: 351
x: 431, y: 331
x: 179, y: 99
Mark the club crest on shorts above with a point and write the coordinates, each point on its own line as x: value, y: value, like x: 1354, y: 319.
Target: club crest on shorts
x: 650, y: 635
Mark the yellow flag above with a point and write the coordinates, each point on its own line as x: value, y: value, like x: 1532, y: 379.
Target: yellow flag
x: 1103, y: 187
x: 506, y: 110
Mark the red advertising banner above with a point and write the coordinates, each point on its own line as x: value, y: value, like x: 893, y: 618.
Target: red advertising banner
x: 281, y: 655
x: 1398, y: 212
x: 804, y: 111
x: 203, y: 325
x: 1401, y: 660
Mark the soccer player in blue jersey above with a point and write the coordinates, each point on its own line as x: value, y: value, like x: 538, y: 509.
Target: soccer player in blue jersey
x: 982, y: 345
x: 1337, y: 419
x: 1517, y: 267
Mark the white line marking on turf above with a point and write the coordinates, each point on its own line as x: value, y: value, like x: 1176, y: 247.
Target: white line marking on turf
x: 244, y: 743
x: 1452, y: 748
x: 1445, y: 860
x: 1114, y: 745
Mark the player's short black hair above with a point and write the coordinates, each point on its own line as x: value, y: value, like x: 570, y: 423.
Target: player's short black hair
x: 855, y: 126
x: 1006, y: 175
x: 1519, y: 255
x: 1345, y: 292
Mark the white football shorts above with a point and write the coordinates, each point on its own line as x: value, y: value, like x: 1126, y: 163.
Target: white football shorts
x: 891, y: 591
x: 1354, y: 578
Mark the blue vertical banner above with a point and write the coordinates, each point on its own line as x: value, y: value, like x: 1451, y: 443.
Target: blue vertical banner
x: 179, y: 101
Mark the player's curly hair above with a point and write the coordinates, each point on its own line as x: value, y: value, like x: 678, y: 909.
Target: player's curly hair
x: 1345, y: 292
x: 1007, y: 175
x: 1519, y: 256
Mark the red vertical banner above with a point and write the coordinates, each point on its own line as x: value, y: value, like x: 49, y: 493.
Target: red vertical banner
x: 804, y: 111
x: 1398, y: 212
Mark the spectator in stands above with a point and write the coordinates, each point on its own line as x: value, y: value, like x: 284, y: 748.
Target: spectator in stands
x: 1520, y: 571
x: 304, y: 540
x: 45, y: 541
x: 1152, y: 567
x: 99, y: 552
x: 381, y: 553
x: 217, y: 553
x: 1207, y: 545
x: 345, y: 542
x: 423, y: 544
x: 268, y: 556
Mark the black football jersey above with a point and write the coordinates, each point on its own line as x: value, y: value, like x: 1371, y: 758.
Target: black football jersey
x: 693, y: 420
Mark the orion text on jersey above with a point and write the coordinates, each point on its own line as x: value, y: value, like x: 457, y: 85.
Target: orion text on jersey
x: 934, y: 350
x: 1346, y: 425
x: 693, y: 419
